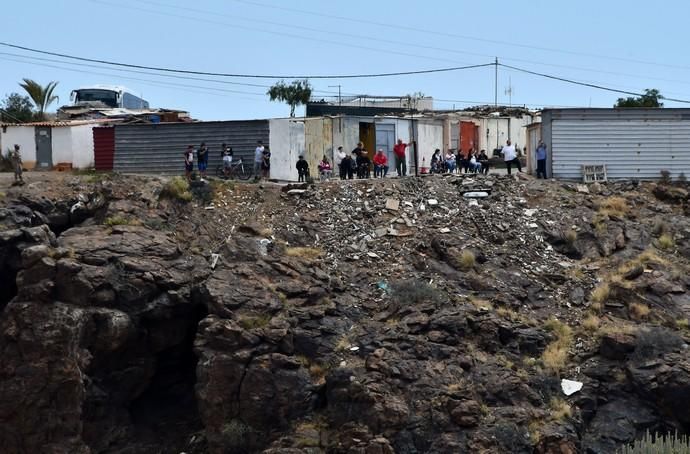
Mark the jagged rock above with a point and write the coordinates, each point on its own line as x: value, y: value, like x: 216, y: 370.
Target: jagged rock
x: 617, y: 345
x: 466, y: 413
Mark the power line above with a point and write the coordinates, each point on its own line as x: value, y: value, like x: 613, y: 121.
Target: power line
x: 379, y: 39
x: 585, y: 84
x: 397, y: 26
x: 256, y: 76
x: 10, y: 115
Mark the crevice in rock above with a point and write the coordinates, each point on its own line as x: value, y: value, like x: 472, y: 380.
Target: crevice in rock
x: 170, y: 400
x: 8, y: 277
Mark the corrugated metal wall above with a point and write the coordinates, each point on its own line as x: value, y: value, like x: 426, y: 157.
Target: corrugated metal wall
x: 629, y: 148
x: 159, y: 148
x: 104, y: 148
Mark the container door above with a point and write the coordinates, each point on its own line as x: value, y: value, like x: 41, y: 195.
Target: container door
x: 44, y: 148
x: 385, y: 139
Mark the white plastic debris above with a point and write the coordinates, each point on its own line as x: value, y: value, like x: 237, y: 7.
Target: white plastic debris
x: 570, y: 386
x: 476, y: 195
x: 354, y: 349
x: 422, y: 207
x: 432, y: 202
x: 214, y: 260
x: 444, y: 230
x: 473, y: 203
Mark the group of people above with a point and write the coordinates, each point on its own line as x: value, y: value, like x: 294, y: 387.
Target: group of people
x: 470, y: 161
x: 358, y: 162
x: 262, y: 160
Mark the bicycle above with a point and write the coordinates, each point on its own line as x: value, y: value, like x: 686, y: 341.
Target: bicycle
x: 237, y: 170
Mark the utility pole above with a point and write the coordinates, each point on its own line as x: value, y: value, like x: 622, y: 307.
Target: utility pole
x: 340, y: 103
x: 496, y: 96
x: 496, y: 83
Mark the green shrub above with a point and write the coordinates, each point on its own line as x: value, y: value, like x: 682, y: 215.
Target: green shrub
x: 116, y: 220
x: 664, y: 444
x: 176, y: 189
x: 414, y: 291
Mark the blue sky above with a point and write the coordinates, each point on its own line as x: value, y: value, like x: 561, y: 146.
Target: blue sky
x: 628, y: 45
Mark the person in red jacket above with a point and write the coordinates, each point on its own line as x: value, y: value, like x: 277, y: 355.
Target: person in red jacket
x: 400, y: 161
x: 380, y: 164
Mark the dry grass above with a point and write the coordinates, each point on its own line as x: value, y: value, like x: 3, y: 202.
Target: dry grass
x: 596, y: 307
x: 570, y: 237
x: 591, y: 323
x: 249, y: 322
x: 601, y: 293
x: 318, y: 371
x: 304, y: 252
x: 481, y: 304
x: 638, y: 311
x: 117, y: 220
x: 620, y: 327
x: 665, y: 241
x: 176, y: 189
x: 555, y: 355
x: 343, y: 343
x: 682, y: 323
x: 509, y: 314
x: 559, y: 409
x: 467, y: 260
x: 614, y: 206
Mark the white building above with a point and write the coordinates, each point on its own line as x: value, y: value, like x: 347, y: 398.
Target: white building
x: 50, y: 144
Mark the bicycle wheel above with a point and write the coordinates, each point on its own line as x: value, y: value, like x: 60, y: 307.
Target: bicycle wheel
x: 220, y: 171
x: 243, y: 172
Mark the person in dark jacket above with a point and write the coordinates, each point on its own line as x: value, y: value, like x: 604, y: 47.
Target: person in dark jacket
x: 346, y: 167
x: 483, y: 159
x: 363, y: 164
x: 302, y: 169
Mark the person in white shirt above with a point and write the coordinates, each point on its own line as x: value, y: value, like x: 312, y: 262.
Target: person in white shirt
x: 258, y: 159
x: 510, y: 157
x: 339, y: 156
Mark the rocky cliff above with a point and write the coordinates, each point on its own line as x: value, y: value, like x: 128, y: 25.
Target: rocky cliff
x: 396, y: 316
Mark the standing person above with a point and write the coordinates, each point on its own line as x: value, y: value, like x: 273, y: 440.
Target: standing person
x: 363, y: 163
x: 258, y: 159
x: 380, y: 164
x: 400, y: 161
x: 339, y: 157
x: 346, y: 167
x: 266, y: 163
x: 189, y: 162
x: 302, y: 169
x: 541, y: 159
x: 483, y: 161
x: 16, y: 158
x: 358, y: 149
x: 202, y: 159
x: 510, y: 156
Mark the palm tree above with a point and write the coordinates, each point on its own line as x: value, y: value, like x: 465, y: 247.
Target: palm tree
x: 41, y: 96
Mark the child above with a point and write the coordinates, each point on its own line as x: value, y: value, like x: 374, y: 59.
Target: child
x: 189, y: 162
x: 227, y: 163
x: 302, y: 169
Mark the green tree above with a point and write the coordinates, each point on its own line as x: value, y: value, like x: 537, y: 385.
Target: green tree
x: 16, y: 108
x: 41, y: 96
x: 650, y: 98
x: 295, y: 94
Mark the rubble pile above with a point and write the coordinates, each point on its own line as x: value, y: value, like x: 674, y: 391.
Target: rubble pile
x: 462, y: 313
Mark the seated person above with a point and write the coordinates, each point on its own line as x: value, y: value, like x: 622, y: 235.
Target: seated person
x: 450, y: 161
x: 483, y: 159
x: 474, y: 165
x: 302, y: 169
x: 325, y: 169
x: 380, y: 164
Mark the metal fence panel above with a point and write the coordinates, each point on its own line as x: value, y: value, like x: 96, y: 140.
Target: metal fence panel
x: 639, y: 148
x: 159, y: 149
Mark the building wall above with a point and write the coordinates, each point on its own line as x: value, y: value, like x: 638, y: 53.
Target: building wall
x: 62, y: 145
x: 286, y: 139
x: 632, y: 143
x: 25, y: 137
x: 512, y: 128
x: 318, y: 137
x: 82, y: 146
x: 429, y: 137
